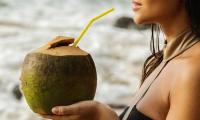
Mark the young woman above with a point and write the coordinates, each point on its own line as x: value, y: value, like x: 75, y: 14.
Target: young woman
x: 170, y: 88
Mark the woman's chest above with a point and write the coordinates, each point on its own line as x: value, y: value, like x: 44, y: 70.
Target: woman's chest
x: 155, y: 103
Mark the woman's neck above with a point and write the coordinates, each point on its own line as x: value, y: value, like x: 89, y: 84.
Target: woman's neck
x: 176, y: 25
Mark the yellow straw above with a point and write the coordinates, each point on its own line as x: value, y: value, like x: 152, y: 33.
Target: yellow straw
x: 89, y: 24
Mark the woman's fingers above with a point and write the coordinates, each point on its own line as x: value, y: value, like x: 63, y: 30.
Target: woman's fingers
x: 85, y: 110
x: 66, y: 110
x: 75, y: 109
x: 55, y: 117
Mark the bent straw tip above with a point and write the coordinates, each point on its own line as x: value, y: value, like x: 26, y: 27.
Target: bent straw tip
x: 89, y: 24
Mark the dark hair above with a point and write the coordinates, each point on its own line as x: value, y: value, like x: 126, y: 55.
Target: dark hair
x: 192, y: 8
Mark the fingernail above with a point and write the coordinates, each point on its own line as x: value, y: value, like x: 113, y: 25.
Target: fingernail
x: 55, y: 110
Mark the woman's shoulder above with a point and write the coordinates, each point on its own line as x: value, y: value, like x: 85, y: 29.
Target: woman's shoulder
x: 185, y: 94
x: 188, y: 72
x: 191, y: 68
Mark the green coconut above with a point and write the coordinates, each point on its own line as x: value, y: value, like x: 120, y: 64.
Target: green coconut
x: 57, y: 74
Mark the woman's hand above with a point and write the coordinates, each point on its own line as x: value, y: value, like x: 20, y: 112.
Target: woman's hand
x: 85, y: 110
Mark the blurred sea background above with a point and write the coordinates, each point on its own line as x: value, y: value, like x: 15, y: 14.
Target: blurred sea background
x: 117, y: 46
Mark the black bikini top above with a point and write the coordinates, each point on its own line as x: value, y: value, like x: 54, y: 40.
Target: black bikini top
x: 173, y: 48
x: 135, y: 114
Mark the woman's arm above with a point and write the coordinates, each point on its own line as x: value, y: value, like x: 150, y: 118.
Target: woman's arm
x: 185, y: 96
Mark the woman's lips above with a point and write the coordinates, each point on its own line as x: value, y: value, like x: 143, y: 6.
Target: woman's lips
x: 136, y: 6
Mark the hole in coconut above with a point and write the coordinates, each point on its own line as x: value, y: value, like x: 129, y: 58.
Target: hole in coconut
x: 61, y: 41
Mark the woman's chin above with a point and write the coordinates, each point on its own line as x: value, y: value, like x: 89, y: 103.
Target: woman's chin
x: 138, y: 20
